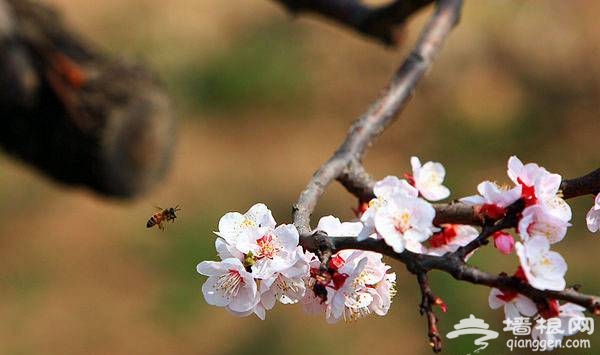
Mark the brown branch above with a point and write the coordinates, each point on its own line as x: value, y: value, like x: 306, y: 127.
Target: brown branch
x: 584, y: 185
x: 428, y: 300
x: 383, y: 23
x: 382, y: 112
x: 454, y: 265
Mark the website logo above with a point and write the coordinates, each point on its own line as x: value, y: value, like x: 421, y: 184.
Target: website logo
x: 474, y: 326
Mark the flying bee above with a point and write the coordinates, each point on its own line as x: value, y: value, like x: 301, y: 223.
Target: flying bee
x: 165, y: 215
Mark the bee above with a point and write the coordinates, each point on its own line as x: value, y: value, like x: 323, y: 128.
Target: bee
x: 165, y: 215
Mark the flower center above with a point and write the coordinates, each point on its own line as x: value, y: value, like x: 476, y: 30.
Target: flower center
x: 402, y: 221
x: 229, y: 284
x: 444, y: 237
x: 268, y: 247
x: 527, y: 193
x: 248, y: 223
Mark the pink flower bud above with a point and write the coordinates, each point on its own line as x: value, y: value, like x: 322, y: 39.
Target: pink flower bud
x: 504, y: 242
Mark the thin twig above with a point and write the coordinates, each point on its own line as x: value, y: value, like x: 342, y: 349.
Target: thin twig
x: 428, y: 300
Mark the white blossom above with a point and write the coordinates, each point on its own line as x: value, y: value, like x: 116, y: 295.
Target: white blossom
x: 514, y: 304
x: 239, y: 230
x: 491, y: 193
x: 567, y: 312
x: 452, y: 237
x: 544, y: 269
x: 229, y: 285
x: 385, y: 190
x: 537, y: 222
x: 593, y: 216
x: 404, y: 223
x: 366, y: 287
x: 428, y: 179
x: 334, y: 227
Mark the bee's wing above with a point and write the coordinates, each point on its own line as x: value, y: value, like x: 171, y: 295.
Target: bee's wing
x: 158, y: 208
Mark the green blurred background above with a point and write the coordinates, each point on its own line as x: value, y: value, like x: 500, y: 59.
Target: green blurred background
x: 264, y: 100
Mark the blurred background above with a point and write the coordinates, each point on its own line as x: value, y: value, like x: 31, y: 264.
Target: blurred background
x: 263, y: 100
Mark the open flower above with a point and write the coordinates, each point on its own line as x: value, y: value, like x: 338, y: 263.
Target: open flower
x: 544, y: 269
x: 266, y: 260
x: 287, y: 287
x: 515, y: 304
x: 452, y: 237
x: 335, y: 228
x: 567, y: 312
x: 428, y: 179
x: 229, y: 285
x: 239, y: 230
x: 385, y: 190
x: 363, y: 286
x: 493, y: 198
x: 593, y: 216
x: 537, y: 222
x: 404, y: 223
x: 536, y: 181
x: 274, y: 252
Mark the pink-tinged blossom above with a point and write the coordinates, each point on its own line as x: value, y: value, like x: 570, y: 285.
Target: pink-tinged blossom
x: 240, y: 230
x: 428, y: 179
x: 267, y: 259
x: 544, y: 269
x: 349, y: 298
x: 365, y: 287
x: 452, y: 237
x: 504, y: 242
x: 514, y: 304
x: 391, y: 186
x: 493, y: 198
x: 385, y: 190
x: 537, y: 222
x: 335, y: 228
x: 356, y: 284
x: 567, y: 312
x: 593, y: 216
x: 404, y: 223
x: 229, y: 285
x: 287, y: 287
x: 532, y: 176
x: 274, y: 252
x: 539, y: 187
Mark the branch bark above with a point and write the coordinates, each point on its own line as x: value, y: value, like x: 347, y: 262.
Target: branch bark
x: 383, y: 112
x: 346, y: 167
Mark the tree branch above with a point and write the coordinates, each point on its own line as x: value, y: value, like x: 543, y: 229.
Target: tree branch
x: 346, y: 167
x: 383, y: 23
x: 382, y: 112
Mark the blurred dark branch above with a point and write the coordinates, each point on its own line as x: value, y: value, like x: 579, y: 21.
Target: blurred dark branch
x: 383, y: 23
x: 73, y: 112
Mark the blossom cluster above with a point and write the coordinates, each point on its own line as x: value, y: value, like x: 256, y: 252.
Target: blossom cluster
x: 542, y: 223
x: 401, y: 215
x: 262, y: 263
